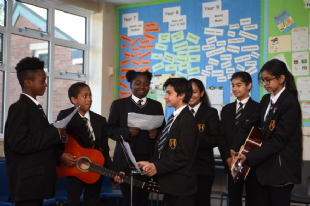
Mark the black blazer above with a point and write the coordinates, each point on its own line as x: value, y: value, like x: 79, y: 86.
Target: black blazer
x: 176, y: 168
x: 208, y: 124
x: 29, y: 146
x: 99, y: 125
x: 278, y: 160
x: 228, y: 128
x: 117, y: 125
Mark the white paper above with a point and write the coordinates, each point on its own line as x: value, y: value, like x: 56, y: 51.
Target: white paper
x: 63, y: 123
x: 307, y: 4
x: 241, y: 68
x: 300, y: 62
x: 305, y: 109
x: 211, y: 40
x: 226, y: 57
x: 303, y: 87
x: 171, y: 12
x: 222, y: 79
x: 220, y: 18
x: 252, y: 70
x: 145, y: 122
x: 248, y: 35
x: 242, y: 58
x: 255, y: 54
x: 234, y: 26
x: 235, y: 49
x: 250, y: 63
x: 236, y: 40
x: 300, y: 39
x: 282, y: 58
x: 230, y: 70
x: 216, y: 52
x: 249, y: 48
x: 217, y: 73
x: 209, y: 7
x: 214, y: 62
x: 231, y: 33
x: 135, y: 28
x: 129, y: 18
x: 226, y: 64
x: 208, y: 47
x: 203, y: 79
x: 206, y: 73
x: 209, y: 67
x: 229, y: 76
x: 221, y: 43
x: 217, y: 32
x: 250, y: 27
x: 245, y: 21
x: 215, y: 96
x: 177, y: 23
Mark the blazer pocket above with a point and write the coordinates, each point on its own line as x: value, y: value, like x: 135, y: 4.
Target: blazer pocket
x: 33, y: 172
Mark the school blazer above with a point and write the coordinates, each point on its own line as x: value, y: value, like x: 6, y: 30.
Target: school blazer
x: 208, y: 124
x: 278, y: 160
x: 228, y: 128
x: 117, y: 126
x: 78, y: 127
x: 29, y: 146
x: 176, y: 167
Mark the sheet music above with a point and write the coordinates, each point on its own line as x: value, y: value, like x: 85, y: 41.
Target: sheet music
x: 145, y: 122
x: 127, y: 151
x: 62, y: 123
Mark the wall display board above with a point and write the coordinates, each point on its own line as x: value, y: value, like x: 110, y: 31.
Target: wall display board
x: 208, y: 40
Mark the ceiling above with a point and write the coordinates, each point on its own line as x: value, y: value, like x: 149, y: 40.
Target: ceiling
x: 124, y: 2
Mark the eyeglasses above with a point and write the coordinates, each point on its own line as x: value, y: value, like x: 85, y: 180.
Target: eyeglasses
x: 267, y: 81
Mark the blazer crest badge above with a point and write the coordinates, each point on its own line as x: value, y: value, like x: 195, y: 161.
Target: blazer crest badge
x: 172, y: 143
x: 272, y: 125
x: 201, y: 127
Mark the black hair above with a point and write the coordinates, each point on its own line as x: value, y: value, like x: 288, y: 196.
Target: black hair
x: 27, y: 69
x: 199, y: 84
x: 181, y: 86
x: 131, y: 75
x: 74, y: 89
x: 244, y: 76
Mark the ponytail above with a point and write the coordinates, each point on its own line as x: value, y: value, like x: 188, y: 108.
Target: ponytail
x: 290, y: 84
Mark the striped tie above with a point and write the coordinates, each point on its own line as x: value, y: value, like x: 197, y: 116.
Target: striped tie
x: 88, y: 130
x: 140, y: 102
x: 238, y: 114
x: 271, y: 108
x: 193, y: 111
x: 164, y: 133
x: 41, y: 109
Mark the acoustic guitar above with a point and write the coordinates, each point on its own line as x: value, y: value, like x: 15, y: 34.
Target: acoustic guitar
x: 253, y: 141
x: 90, y: 162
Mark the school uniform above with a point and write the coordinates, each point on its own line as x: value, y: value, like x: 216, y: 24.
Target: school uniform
x: 175, y: 159
x: 229, y: 128
x: 29, y: 146
x: 98, y: 135
x: 142, y: 145
x: 278, y: 160
x: 208, y: 124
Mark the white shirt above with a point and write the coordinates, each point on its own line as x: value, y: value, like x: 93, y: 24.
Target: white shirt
x: 136, y: 99
x: 89, y: 124
x: 175, y: 114
x: 195, y: 108
x: 243, y: 102
x: 274, y: 99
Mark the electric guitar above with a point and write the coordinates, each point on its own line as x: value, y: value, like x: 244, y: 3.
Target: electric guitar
x: 90, y: 162
x: 253, y: 141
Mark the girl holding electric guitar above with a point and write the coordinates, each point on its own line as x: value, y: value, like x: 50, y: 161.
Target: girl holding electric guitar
x: 278, y: 160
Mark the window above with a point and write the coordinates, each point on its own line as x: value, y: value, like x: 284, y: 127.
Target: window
x: 57, y: 36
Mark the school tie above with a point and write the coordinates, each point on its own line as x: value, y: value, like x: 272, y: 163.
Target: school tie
x: 140, y: 102
x: 193, y: 111
x: 41, y: 109
x: 238, y: 114
x: 164, y: 133
x: 271, y: 108
x: 88, y: 129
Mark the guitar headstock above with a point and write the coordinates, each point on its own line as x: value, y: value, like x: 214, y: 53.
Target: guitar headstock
x: 152, y: 187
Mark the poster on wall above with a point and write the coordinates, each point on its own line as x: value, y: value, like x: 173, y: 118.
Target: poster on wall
x: 284, y: 21
x: 300, y: 62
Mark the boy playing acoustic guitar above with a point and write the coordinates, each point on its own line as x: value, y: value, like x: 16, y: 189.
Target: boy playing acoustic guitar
x: 91, y: 128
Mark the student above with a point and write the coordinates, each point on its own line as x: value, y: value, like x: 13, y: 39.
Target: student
x: 91, y: 128
x: 278, y: 161
x: 233, y: 117
x: 176, y: 149
x: 30, y: 141
x: 208, y: 124
x: 141, y: 142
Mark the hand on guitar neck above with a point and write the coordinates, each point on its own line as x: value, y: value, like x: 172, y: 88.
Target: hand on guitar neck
x: 234, y: 155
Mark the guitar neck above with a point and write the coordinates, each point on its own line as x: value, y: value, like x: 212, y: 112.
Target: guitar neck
x: 109, y: 173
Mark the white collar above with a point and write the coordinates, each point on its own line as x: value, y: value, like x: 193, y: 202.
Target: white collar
x: 244, y: 101
x: 275, y: 98
x: 86, y: 115
x: 178, y: 111
x: 195, y: 107
x: 136, y: 99
x: 33, y: 99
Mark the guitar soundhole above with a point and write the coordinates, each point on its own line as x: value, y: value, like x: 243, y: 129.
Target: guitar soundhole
x: 83, y: 164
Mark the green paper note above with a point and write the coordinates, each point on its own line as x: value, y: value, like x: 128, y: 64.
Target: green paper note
x: 180, y: 59
x: 152, y: 94
x: 194, y: 70
x: 195, y: 48
x: 158, y: 66
x: 169, y: 58
x: 157, y: 56
x: 171, y: 67
x: 194, y: 58
x: 183, y: 54
x: 162, y: 47
x: 183, y: 66
x: 180, y: 46
x: 180, y: 74
x: 163, y: 37
x: 177, y: 36
x: 192, y: 38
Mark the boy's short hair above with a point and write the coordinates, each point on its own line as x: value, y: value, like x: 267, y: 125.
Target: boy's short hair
x: 181, y: 86
x: 27, y: 69
x: 74, y: 89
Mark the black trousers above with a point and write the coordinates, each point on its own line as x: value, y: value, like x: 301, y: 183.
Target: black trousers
x: 274, y: 196
x: 91, y: 196
x: 235, y: 190
x: 140, y: 197
x: 29, y: 203
x: 203, y: 196
x: 171, y: 200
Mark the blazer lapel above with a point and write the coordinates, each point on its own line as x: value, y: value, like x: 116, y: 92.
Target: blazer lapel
x: 248, y: 107
x: 127, y: 108
x: 81, y: 125
x: 233, y: 112
x: 200, y: 112
x: 96, y: 126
